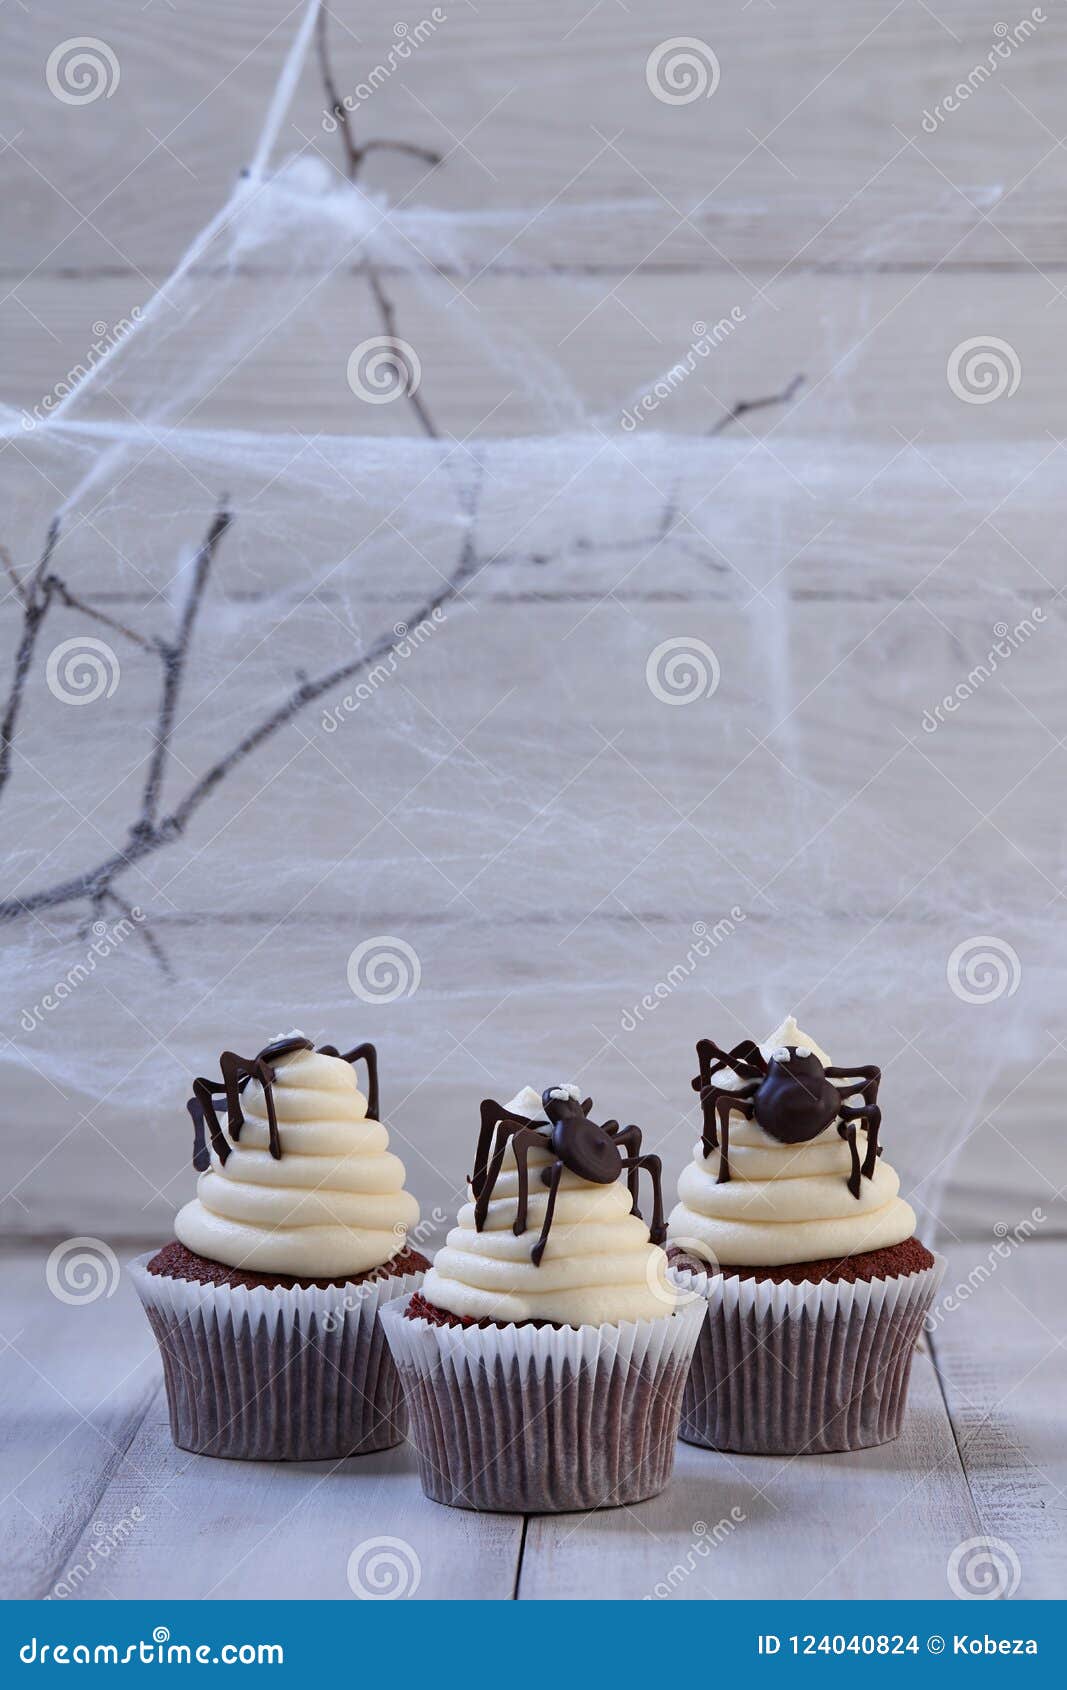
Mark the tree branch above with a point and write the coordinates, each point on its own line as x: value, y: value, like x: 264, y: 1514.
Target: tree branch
x: 355, y: 154
x: 743, y: 406
x: 354, y: 157
x: 148, y: 835
x: 36, y: 597
x: 174, y: 654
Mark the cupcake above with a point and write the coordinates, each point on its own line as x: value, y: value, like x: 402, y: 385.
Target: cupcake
x: 544, y: 1357
x: 265, y: 1305
x: 790, y: 1225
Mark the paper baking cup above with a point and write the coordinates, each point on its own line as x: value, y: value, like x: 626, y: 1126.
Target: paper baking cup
x: 276, y: 1375
x: 518, y: 1419
x: 802, y: 1369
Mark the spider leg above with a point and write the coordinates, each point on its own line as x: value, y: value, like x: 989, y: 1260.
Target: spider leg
x: 235, y: 1069
x: 630, y: 1139
x: 367, y: 1053
x: 657, y: 1230
x: 204, y: 1102
x: 493, y: 1115
x: 522, y: 1139
x: 717, y: 1103
x: 484, y: 1178
x: 745, y: 1060
x: 847, y: 1129
x: 870, y: 1079
x: 871, y: 1116
x: 265, y: 1076
x: 546, y: 1226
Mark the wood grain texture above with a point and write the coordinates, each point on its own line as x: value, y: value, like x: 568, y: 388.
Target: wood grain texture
x: 223, y: 1530
x: 811, y: 151
x: 999, y: 1347
x: 872, y: 355
x: 101, y: 1505
x: 834, y: 1526
x: 76, y: 1381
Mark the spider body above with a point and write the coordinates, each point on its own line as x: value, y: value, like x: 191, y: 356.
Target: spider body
x: 792, y: 1096
x: 795, y: 1102
x: 590, y: 1151
x: 236, y: 1073
x: 594, y: 1152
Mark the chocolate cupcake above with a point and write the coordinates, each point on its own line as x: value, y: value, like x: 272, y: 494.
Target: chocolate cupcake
x: 544, y: 1359
x: 265, y: 1306
x: 790, y: 1225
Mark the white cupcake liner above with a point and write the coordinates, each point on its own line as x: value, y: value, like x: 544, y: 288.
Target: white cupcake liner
x: 520, y: 1419
x: 802, y: 1369
x: 288, y: 1374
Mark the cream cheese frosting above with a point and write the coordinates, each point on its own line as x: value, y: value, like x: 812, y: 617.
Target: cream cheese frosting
x: 786, y: 1202
x: 332, y: 1205
x: 599, y: 1266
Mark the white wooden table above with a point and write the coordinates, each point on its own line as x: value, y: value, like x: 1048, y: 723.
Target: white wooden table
x: 89, y: 1461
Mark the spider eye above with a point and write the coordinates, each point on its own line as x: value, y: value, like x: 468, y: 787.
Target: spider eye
x: 782, y: 1054
x: 803, y: 1050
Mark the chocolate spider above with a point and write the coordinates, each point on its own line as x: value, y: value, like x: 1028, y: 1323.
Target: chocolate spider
x: 791, y: 1097
x: 592, y: 1152
x: 237, y: 1071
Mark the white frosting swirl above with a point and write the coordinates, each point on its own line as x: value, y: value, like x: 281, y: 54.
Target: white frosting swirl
x: 332, y: 1205
x: 786, y: 1202
x: 599, y: 1265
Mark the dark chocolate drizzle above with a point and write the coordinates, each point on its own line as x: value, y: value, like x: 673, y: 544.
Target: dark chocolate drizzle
x: 236, y: 1073
x: 794, y: 1101
x: 592, y: 1152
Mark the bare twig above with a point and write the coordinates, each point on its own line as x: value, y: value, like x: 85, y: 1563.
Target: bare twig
x: 410, y: 148
x: 354, y: 157
x: 63, y: 593
x: 36, y: 596
x: 148, y: 834
x: 12, y: 572
x: 174, y: 654
x: 355, y: 154
x: 141, y: 927
x: 387, y: 312
x: 743, y: 406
